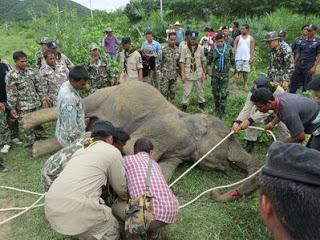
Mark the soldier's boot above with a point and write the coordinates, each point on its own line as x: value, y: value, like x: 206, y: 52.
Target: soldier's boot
x: 202, y: 105
x: 249, y: 146
x: 184, y: 107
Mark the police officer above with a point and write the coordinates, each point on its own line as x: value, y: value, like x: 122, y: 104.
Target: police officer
x: 130, y: 62
x: 298, y: 40
x: 306, y: 60
x: 281, y: 60
x: 193, y: 65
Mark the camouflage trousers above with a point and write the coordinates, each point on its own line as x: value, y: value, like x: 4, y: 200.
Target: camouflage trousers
x: 28, y: 137
x: 5, y: 133
x: 220, y: 92
x: 168, y: 89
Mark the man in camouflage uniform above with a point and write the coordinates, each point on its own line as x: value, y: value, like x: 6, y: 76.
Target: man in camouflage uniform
x: 52, y: 75
x: 100, y: 74
x: 61, y: 58
x: 39, y: 55
x: 281, y: 60
x: 169, y: 61
x: 220, y: 56
x: 24, y: 94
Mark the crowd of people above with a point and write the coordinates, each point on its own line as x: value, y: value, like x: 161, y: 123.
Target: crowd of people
x: 89, y: 181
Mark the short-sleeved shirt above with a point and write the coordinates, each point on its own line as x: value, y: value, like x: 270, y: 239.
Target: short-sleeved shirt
x: 164, y: 203
x: 71, y: 118
x: 199, y: 58
x: 309, y: 49
x: 111, y: 44
x: 131, y: 63
x: 298, y: 113
x: 180, y: 35
x: 155, y: 46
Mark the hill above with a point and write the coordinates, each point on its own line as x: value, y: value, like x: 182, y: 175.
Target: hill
x: 22, y: 10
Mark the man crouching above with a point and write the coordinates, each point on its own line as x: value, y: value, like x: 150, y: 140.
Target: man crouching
x: 73, y: 205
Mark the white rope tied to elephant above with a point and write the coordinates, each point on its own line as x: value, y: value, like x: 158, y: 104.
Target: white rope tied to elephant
x: 224, y: 186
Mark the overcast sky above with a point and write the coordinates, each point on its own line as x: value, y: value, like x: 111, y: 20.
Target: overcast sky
x: 108, y: 5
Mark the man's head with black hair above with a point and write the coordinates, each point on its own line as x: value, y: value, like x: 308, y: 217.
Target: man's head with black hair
x: 50, y: 55
x: 120, y: 139
x: 149, y: 36
x: 263, y: 99
x: 143, y: 145
x: 20, y: 59
x: 104, y: 131
x: 244, y: 29
x: 78, y: 77
x: 236, y: 24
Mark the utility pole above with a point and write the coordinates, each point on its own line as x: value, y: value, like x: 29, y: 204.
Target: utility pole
x: 161, y: 10
x: 91, y: 10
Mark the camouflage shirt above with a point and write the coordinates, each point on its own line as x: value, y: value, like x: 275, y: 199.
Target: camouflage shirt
x: 39, y: 58
x: 24, y: 91
x: 169, y: 61
x: 99, y: 73
x: 71, y: 118
x: 61, y: 59
x: 281, y: 63
x: 52, y: 78
x: 57, y: 162
x: 220, y: 58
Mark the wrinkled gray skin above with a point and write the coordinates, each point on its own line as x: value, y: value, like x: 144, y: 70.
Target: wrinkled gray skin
x: 142, y: 111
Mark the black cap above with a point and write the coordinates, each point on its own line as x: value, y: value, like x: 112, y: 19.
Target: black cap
x: 187, y: 33
x: 314, y: 84
x: 125, y: 40
x: 52, y: 45
x: 219, y: 36
x: 193, y: 34
x: 312, y: 27
x: 103, y: 126
x: 293, y: 162
x: 304, y: 26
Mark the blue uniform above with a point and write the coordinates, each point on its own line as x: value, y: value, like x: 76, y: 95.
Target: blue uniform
x: 308, y: 51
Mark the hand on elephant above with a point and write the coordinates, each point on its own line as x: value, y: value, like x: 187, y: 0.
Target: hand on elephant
x: 226, y: 197
x: 285, y: 85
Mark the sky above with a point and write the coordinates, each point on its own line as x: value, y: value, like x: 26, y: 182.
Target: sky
x: 108, y: 5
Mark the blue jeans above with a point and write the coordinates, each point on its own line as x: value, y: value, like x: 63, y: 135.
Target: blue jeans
x: 113, y: 56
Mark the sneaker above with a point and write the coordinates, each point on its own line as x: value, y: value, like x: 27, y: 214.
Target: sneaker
x: 16, y: 141
x: 5, y: 148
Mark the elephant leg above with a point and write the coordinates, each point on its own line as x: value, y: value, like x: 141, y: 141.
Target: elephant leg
x: 44, y: 147
x: 168, y: 166
x: 238, y: 157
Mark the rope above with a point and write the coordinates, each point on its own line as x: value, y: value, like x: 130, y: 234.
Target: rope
x: 203, y: 157
x: 24, y: 211
x: 229, y: 185
x: 21, y: 190
x: 19, y: 208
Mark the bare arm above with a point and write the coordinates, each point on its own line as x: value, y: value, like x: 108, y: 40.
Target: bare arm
x: 236, y: 41
x: 140, y: 73
x: 296, y: 139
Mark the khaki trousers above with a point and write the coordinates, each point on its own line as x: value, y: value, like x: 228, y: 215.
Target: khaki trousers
x: 187, y: 89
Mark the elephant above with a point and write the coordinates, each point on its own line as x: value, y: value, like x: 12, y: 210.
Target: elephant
x: 178, y: 137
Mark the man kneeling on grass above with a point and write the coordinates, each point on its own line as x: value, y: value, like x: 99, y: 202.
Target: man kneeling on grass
x: 290, y: 192
x: 164, y: 203
x: 73, y: 205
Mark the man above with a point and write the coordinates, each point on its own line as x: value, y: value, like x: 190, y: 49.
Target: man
x: 39, y: 55
x: 306, y: 60
x: 5, y: 134
x: 130, y: 62
x: 52, y: 76
x: 150, y: 41
x: 249, y: 115
x: 298, y: 113
x: 185, y: 41
x: 228, y: 40
x: 148, y: 57
x: 58, y: 161
x: 243, y: 53
x: 100, y: 74
x: 24, y: 94
x: 164, y: 203
x: 193, y: 66
x: 206, y: 41
x: 298, y: 40
x: 180, y: 33
x: 220, y: 56
x: 281, y: 61
x: 71, y: 118
x: 169, y: 67
x: 235, y: 30
x: 315, y: 86
x: 61, y: 58
x: 110, y: 44
x: 73, y: 205
x: 290, y: 192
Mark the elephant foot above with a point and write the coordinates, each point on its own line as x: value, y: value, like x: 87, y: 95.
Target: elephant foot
x: 226, y: 197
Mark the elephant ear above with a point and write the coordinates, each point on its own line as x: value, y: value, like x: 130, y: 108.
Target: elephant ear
x: 197, y: 125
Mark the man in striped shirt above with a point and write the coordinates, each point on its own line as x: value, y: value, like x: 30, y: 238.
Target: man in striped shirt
x: 164, y: 203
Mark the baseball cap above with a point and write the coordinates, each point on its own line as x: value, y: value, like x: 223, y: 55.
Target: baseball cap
x: 93, y: 46
x: 52, y: 45
x: 312, y: 27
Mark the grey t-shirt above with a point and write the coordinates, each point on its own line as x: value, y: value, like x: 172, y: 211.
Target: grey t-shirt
x: 298, y: 113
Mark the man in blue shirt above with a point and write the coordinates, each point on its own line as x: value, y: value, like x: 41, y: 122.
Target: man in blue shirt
x: 306, y: 61
x: 179, y: 32
x: 150, y: 41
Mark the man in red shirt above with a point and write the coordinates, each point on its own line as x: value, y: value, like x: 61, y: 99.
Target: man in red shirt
x: 164, y: 203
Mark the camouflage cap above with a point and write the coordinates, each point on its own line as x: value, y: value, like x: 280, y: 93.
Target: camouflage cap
x: 148, y: 50
x: 93, y: 46
x: 44, y: 40
x: 271, y: 36
x: 293, y: 162
x: 282, y: 33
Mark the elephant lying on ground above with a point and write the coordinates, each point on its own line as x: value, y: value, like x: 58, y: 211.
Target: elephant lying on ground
x: 178, y: 137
